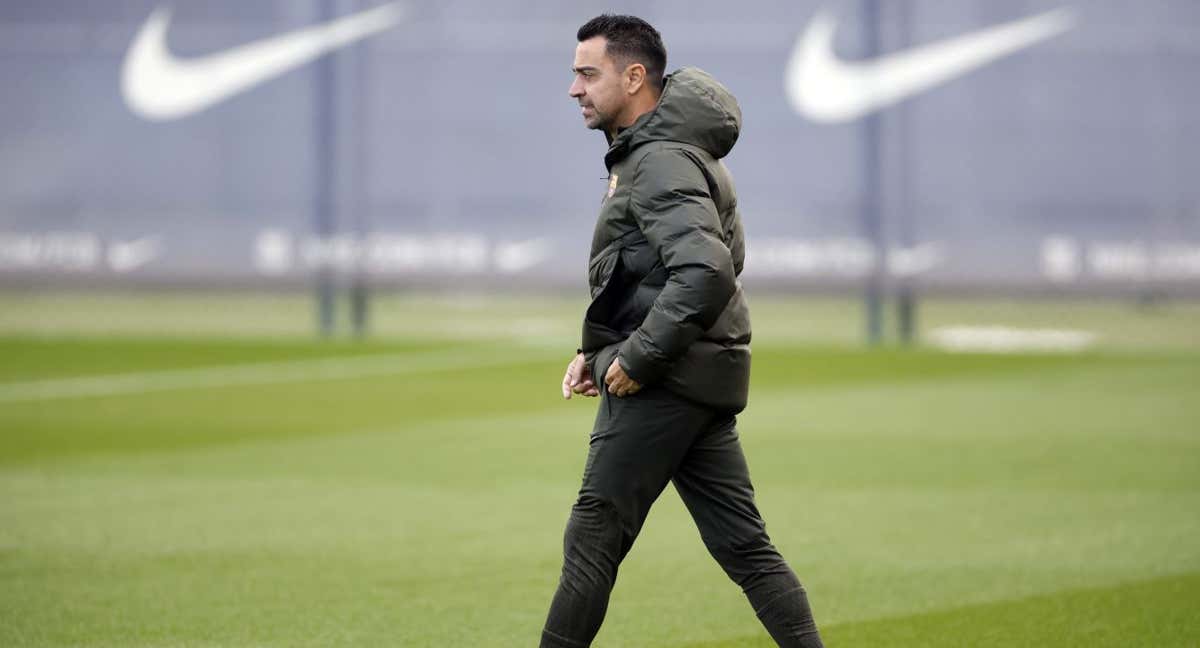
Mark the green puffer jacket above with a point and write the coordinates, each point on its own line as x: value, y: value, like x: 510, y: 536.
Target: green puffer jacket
x: 668, y: 249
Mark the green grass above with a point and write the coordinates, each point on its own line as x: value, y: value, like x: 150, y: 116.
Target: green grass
x: 1158, y: 612
x: 554, y: 319
x: 925, y: 499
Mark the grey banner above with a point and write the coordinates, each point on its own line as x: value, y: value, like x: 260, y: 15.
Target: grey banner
x: 1027, y: 144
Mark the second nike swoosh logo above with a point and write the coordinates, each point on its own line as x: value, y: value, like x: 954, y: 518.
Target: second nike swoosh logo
x: 825, y: 89
x: 158, y: 86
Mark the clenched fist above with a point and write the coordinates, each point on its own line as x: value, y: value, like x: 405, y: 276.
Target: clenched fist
x: 619, y: 383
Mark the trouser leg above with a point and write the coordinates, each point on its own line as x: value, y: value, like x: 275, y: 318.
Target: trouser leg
x: 636, y: 445
x: 714, y: 482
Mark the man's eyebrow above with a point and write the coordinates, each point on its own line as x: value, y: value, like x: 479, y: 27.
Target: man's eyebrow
x: 584, y: 68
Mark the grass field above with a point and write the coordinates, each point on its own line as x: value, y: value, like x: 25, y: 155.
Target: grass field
x: 183, y: 471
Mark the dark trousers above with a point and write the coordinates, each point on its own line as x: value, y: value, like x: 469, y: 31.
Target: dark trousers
x: 638, y: 444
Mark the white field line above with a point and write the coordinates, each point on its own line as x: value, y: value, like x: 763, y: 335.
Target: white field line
x: 264, y: 373
x: 1007, y: 339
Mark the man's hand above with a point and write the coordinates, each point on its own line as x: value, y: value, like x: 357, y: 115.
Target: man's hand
x: 578, y: 379
x: 619, y: 383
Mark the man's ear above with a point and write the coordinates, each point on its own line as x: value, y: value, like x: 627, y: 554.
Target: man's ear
x: 635, y: 78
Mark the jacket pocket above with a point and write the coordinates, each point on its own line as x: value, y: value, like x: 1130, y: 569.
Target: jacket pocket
x: 600, y: 364
x: 598, y: 331
x: 602, y: 266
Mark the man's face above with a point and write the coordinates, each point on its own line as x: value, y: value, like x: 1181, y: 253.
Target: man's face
x: 598, y: 84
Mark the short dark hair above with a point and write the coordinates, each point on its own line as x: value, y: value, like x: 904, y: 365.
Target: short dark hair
x: 630, y: 40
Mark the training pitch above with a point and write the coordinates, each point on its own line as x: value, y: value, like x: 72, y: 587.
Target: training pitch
x: 163, y: 483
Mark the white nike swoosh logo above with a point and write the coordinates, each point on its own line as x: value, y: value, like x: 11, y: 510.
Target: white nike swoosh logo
x: 128, y: 256
x: 158, y: 86
x: 825, y: 89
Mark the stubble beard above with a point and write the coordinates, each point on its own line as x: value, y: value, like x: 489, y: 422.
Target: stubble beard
x: 598, y: 120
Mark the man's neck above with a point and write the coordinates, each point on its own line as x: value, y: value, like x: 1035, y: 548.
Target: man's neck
x: 641, y: 104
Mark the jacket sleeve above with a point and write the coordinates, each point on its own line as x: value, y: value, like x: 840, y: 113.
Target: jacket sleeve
x: 671, y: 202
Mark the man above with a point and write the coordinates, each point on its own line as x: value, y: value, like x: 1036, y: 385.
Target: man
x: 669, y: 331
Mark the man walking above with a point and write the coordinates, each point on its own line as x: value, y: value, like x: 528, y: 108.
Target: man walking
x: 669, y: 332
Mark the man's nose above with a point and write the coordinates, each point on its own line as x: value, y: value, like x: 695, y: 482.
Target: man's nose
x: 576, y: 89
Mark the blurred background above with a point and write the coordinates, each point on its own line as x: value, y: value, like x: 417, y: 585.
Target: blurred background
x: 286, y: 289
x: 432, y: 146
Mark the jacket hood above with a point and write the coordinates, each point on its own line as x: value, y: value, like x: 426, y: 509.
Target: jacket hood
x: 694, y: 109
